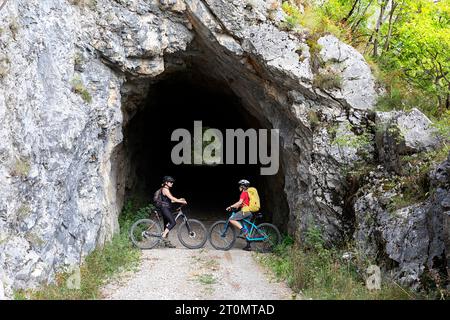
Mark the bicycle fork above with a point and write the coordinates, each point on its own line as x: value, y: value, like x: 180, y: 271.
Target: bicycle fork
x: 224, y: 232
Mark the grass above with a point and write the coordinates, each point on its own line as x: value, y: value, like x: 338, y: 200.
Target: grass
x: 313, y: 20
x: 314, y: 120
x: 206, y: 279
x: 78, y: 87
x: 320, y: 273
x: 98, y: 267
x: 23, y: 211
x: 21, y: 168
x: 328, y: 80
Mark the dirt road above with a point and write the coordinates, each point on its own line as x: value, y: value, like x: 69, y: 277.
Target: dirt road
x: 197, y: 274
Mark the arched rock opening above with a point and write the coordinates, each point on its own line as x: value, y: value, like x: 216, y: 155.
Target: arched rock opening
x: 175, y: 101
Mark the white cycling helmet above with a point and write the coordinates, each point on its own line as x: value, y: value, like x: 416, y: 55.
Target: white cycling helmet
x: 244, y: 183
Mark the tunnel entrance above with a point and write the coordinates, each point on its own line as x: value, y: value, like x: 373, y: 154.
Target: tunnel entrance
x: 176, y: 101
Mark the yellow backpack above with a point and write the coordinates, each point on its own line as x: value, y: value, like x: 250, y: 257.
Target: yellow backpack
x: 253, y: 204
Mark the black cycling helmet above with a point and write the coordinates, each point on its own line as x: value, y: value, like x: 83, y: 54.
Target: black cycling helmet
x: 168, y: 179
x: 244, y: 183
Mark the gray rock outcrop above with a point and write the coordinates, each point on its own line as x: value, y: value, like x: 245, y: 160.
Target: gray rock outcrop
x: 416, y: 132
x: 409, y: 240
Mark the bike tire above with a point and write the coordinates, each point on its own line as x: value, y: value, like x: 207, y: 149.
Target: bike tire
x: 219, y: 242
x: 137, y: 236
x: 198, y: 236
x: 273, y: 237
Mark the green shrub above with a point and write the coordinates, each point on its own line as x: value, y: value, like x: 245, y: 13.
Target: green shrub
x: 312, y: 19
x: 314, y: 120
x: 442, y: 124
x: 78, y: 87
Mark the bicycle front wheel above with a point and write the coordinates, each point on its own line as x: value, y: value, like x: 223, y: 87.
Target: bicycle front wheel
x: 145, y: 233
x: 222, y: 235
x: 270, y: 237
x: 192, y: 234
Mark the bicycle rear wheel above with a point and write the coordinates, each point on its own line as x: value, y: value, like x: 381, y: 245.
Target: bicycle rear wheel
x: 192, y: 234
x: 222, y: 235
x: 145, y: 233
x: 271, y: 237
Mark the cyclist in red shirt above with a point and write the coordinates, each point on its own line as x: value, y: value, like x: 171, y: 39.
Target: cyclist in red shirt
x: 244, y: 200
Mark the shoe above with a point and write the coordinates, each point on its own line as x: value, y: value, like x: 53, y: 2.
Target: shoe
x: 168, y: 244
x: 244, y: 233
x: 247, y: 248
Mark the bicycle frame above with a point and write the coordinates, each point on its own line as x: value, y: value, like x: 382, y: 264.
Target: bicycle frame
x: 247, y: 223
x: 180, y: 214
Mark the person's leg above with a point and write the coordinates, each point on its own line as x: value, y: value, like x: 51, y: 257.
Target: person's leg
x: 248, y: 247
x: 237, y: 217
x: 244, y: 232
x: 236, y: 223
x: 169, y: 220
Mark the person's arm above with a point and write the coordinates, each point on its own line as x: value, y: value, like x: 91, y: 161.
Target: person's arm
x: 236, y: 205
x: 167, y: 193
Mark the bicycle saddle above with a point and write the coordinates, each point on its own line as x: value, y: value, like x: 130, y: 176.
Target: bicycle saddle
x: 256, y: 215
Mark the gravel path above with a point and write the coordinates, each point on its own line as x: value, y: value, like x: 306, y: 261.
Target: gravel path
x: 180, y: 273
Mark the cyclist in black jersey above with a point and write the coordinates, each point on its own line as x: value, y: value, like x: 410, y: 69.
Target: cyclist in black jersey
x: 166, y: 205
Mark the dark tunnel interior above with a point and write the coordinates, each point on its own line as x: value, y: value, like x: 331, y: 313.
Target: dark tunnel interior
x: 176, y: 102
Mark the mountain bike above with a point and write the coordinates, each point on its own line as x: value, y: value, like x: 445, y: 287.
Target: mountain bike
x: 264, y: 237
x: 146, y: 233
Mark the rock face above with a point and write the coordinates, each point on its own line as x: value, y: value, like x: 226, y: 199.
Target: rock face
x: 74, y: 73
x: 400, y: 133
x: 407, y: 240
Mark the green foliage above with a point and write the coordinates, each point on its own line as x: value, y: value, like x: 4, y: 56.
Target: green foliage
x: 100, y: 265
x: 312, y: 19
x: 405, y: 42
x: 133, y: 210
x: 321, y: 273
x: 21, y: 168
x: 206, y: 279
x: 23, y: 212
x: 313, y: 119
x: 420, y: 47
x: 344, y: 137
x: 78, y: 87
x: 442, y: 124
